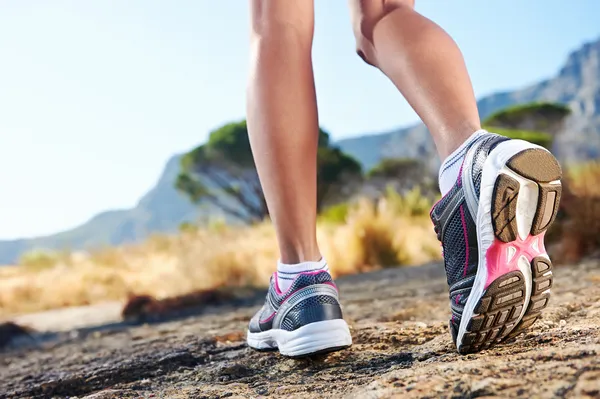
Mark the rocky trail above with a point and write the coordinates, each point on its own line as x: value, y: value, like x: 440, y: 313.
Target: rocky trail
x: 401, y: 349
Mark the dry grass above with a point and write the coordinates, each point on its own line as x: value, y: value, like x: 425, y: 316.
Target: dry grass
x: 354, y: 238
x: 393, y: 231
x: 388, y: 233
x: 578, y: 228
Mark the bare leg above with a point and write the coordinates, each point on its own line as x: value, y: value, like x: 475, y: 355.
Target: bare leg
x: 283, y: 123
x: 423, y: 62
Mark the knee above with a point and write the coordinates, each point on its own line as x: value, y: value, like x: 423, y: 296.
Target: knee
x: 365, y: 15
x: 274, y: 21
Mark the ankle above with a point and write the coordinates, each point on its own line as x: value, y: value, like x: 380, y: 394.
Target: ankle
x: 293, y: 255
x: 301, y: 250
x: 452, y: 165
x: 453, y: 139
x: 287, y: 273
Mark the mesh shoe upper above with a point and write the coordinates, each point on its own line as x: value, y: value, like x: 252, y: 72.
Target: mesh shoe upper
x: 312, y: 297
x: 456, y: 229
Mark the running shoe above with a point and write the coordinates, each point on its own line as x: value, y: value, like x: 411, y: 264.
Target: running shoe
x: 491, y: 225
x: 304, y: 320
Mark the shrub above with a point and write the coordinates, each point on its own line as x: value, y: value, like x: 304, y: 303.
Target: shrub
x: 413, y: 203
x: 392, y: 231
x: 39, y: 260
x: 187, y: 227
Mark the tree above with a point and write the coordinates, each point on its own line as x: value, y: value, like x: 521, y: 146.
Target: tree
x: 543, y: 117
x: 222, y: 172
x: 391, y: 168
x: 335, y: 173
x: 400, y: 174
x: 534, y: 122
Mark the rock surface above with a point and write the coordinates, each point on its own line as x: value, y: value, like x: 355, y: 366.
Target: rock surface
x: 401, y: 348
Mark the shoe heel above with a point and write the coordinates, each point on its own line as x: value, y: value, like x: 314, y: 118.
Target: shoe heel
x: 315, y: 338
x: 531, y: 178
x: 496, y: 314
x: 541, y: 270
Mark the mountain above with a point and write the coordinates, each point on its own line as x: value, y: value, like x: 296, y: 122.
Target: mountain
x: 163, y: 209
x: 577, y: 85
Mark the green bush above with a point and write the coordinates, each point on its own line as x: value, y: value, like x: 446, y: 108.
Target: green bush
x: 413, y: 203
x: 187, y: 227
x: 39, y: 260
x: 217, y: 225
x: 335, y: 214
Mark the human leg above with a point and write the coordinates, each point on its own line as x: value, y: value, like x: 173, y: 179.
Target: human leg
x: 500, y: 195
x: 302, y: 314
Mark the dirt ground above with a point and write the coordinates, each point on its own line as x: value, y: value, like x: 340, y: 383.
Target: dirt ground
x: 401, y: 349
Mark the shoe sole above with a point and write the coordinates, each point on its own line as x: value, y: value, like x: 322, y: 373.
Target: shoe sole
x: 309, y: 340
x: 520, y: 194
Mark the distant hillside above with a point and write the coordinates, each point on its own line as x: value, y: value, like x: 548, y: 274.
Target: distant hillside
x: 577, y: 85
x: 163, y: 209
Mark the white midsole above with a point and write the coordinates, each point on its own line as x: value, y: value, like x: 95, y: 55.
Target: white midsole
x: 311, y: 338
x: 495, y: 165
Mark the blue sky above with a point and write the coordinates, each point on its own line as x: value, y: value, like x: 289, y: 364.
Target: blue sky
x: 95, y: 96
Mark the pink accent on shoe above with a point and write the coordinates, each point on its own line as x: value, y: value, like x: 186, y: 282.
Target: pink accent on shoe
x: 331, y: 283
x: 312, y: 273
x: 433, y: 207
x: 458, y: 182
x: 459, y: 179
x: 268, y: 318
x: 464, y: 225
x: 497, y: 260
x: 278, y: 290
